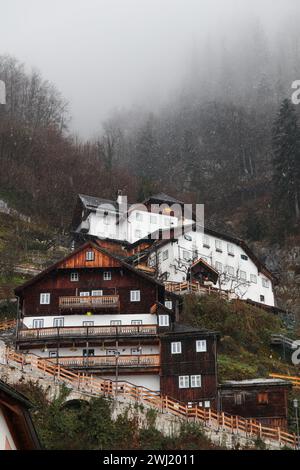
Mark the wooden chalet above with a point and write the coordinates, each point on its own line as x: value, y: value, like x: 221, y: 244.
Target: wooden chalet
x: 17, y: 431
x: 265, y: 400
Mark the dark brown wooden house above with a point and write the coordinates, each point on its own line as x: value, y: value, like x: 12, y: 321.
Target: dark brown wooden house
x: 17, y: 431
x: 265, y: 400
x: 189, y: 364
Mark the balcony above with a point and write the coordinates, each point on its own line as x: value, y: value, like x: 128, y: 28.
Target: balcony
x: 148, y: 361
x: 101, y: 302
x: 74, y: 332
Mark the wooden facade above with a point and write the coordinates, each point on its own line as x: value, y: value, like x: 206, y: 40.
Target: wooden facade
x: 189, y: 363
x: 265, y: 400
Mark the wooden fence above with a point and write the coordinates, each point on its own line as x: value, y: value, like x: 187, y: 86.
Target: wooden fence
x: 89, y: 384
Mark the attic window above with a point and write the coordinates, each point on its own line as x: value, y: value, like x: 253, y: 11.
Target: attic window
x: 90, y: 256
x: 244, y: 257
x: 74, y: 277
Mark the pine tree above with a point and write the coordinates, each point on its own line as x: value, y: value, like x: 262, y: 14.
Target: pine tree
x: 286, y: 164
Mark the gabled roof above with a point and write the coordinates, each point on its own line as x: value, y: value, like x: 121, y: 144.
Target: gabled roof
x: 165, y: 198
x: 91, y: 202
x: 201, y: 263
x: 94, y: 246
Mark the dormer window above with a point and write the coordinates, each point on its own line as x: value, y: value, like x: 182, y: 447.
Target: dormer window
x: 90, y: 256
x: 74, y: 277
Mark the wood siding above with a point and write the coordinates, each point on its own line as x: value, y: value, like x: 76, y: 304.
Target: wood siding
x: 189, y: 362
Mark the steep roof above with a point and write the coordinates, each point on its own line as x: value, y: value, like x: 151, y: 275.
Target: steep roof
x: 163, y: 198
x: 93, y: 245
x: 91, y: 202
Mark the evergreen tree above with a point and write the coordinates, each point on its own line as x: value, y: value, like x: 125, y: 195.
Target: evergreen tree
x: 286, y: 164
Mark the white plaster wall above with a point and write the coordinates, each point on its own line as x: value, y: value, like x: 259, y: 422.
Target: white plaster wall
x: 151, y: 381
x: 211, y: 255
x: 99, y: 351
x: 5, y: 433
x: 99, y: 320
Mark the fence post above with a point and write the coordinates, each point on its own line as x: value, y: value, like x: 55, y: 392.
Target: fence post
x: 260, y: 430
x: 279, y: 435
x: 223, y: 419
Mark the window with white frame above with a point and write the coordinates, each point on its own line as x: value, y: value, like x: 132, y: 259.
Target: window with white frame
x: 206, y: 241
x: 230, y: 249
x: 218, y: 244
x: 265, y: 283
x: 176, y: 347
x: 243, y: 275
x: 139, y: 216
x: 163, y: 320
x: 201, y: 345
x: 90, y: 256
x: 97, y: 293
x: 219, y: 266
x: 58, y: 322
x: 207, y: 404
x: 45, y: 299
x: 169, y: 304
x: 195, y: 381
x: 136, y: 322
x: 165, y: 255
x: 107, y: 275
x: 116, y: 322
x: 88, y: 323
x: 52, y: 353
x: 230, y: 270
x: 184, y: 381
x: 74, y: 277
x: 253, y: 278
x: 38, y: 323
x: 135, y: 295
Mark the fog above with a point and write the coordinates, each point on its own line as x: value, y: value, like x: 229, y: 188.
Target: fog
x: 105, y: 55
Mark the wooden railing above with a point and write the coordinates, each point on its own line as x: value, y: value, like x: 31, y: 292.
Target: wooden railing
x: 97, y: 386
x: 139, y: 360
x: 7, y: 325
x: 101, y: 301
x: 295, y: 381
x: 196, y: 287
x: 88, y: 331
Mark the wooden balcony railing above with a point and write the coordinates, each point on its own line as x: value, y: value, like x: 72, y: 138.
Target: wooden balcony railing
x: 88, y: 331
x: 106, y: 362
x: 93, y: 302
x: 195, y: 287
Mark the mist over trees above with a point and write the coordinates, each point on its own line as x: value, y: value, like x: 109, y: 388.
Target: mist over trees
x: 212, y: 142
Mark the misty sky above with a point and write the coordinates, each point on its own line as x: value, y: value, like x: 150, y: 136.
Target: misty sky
x: 109, y: 54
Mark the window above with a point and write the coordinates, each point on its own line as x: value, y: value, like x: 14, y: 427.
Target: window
x: 116, y: 322
x: 218, y: 245
x: 230, y: 249
x: 219, y: 266
x: 265, y: 283
x: 230, y: 270
x: 90, y: 256
x: 88, y: 323
x: 262, y: 298
x: 165, y: 255
x: 135, y: 295
x: 139, y: 216
x: 163, y: 320
x: 153, y: 219
x: 195, y: 381
x: 97, y: 293
x: 207, y: 404
x: 243, y: 275
x: 238, y: 399
x: 169, y: 304
x: 201, y: 345
x: 244, y: 257
x: 58, y: 322
x: 84, y: 294
x: 263, y: 398
x: 44, y: 299
x: 74, y: 277
x: 88, y: 352
x: 136, y: 351
x: 186, y: 255
x: 253, y: 278
x: 52, y: 353
x: 184, y: 381
x: 138, y: 234
x: 136, y: 322
x: 206, y: 241
x: 39, y: 323
x: 107, y: 276
x: 176, y: 348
